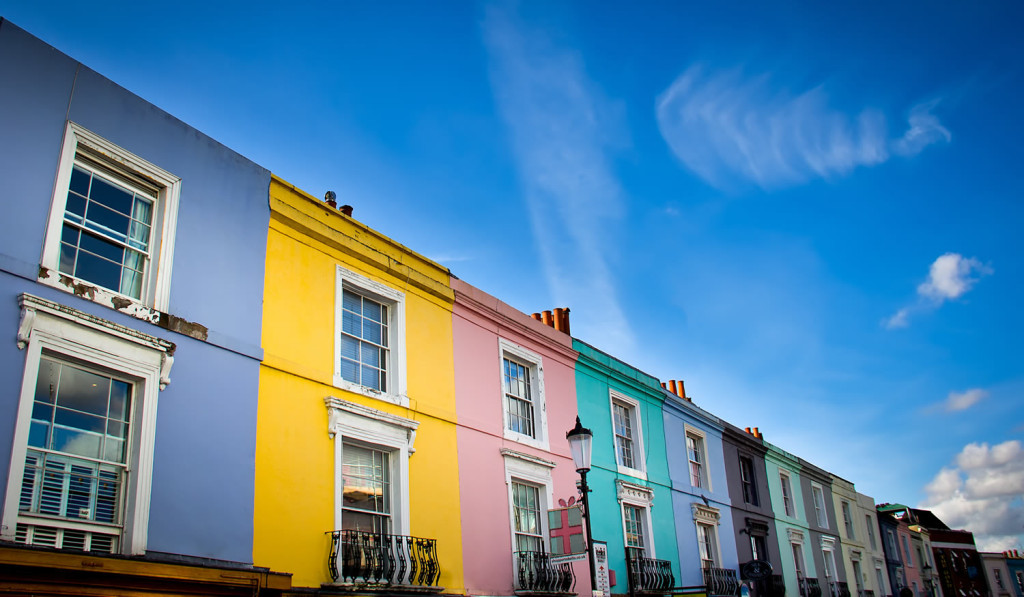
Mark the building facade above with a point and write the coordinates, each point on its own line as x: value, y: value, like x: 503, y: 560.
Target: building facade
x: 356, y: 437
x: 131, y: 269
x: 800, y: 570
x: 704, y: 522
x: 515, y: 391
x: 753, y: 519
x: 630, y: 474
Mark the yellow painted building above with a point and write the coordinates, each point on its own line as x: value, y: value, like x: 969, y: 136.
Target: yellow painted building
x: 356, y: 420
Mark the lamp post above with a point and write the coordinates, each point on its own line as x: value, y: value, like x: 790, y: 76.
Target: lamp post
x: 580, y: 444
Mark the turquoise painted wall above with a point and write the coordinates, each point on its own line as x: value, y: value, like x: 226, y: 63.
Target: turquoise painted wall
x: 597, y: 376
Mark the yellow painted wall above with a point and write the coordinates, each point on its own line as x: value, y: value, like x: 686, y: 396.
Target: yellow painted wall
x: 294, y: 499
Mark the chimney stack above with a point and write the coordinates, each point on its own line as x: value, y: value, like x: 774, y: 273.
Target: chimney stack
x: 557, y: 319
x: 346, y: 209
x: 331, y: 198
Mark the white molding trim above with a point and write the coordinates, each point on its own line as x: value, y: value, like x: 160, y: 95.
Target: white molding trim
x: 535, y: 368
x: 639, y: 456
x: 78, y: 336
x: 795, y: 536
x: 396, y: 369
x: 157, y: 285
x: 348, y: 421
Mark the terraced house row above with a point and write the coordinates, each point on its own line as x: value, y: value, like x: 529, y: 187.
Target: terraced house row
x: 215, y: 383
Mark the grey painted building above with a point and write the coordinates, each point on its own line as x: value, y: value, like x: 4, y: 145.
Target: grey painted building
x: 753, y: 520
x: 825, y: 545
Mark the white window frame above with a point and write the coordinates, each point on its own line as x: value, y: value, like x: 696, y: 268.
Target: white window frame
x: 156, y: 288
x: 848, y: 523
x: 818, y: 498
x: 752, y: 481
x: 535, y: 369
x: 74, y: 335
x: 828, y: 557
x: 346, y: 279
x: 871, y: 533
x: 529, y: 470
x: 708, y: 517
x: 641, y: 497
x: 639, y: 457
x: 906, y: 550
x: 880, y: 577
x: 705, y: 468
x: 351, y: 422
x: 788, y: 505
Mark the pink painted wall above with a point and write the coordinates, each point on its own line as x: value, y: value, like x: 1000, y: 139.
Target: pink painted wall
x: 478, y: 321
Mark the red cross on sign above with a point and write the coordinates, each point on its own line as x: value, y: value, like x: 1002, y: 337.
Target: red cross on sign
x: 566, y: 528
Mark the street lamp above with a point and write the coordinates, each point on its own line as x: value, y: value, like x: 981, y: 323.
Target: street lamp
x: 580, y: 444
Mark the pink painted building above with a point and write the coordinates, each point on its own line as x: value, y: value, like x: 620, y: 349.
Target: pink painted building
x: 515, y: 396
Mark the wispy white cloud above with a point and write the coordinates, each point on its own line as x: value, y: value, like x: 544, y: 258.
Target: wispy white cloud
x: 925, y: 129
x: 982, y: 492
x: 950, y: 276
x: 958, y: 401
x: 562, y: 129
x: 725, y: 126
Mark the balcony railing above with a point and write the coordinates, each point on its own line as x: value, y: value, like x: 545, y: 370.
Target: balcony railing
x: 536, y: 573
x: 809, y: 587
x: 721, y: 581
x: 839, y: 588
x: 865, y: 593
x: 362, y: 558
x: 647, y: 575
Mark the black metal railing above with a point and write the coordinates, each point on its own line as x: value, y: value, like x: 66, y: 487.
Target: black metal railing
x: 840, y: 588
x: 359, y: 557
x: 537, y: 573
x: 721, y: 581
x: 809, y: 587
x: 866, y: 593
x: 648, y: 575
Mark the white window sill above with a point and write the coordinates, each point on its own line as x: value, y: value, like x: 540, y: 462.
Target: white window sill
x: 98, y: 295
x: 399, y: 399
x: 521, y: 438
x: 632, y: 472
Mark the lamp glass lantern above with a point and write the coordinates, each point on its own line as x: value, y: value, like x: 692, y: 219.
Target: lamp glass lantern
x: 580, y: 445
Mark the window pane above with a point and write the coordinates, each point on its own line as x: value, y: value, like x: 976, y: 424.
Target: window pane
x: 98, y: 271
x: 76, y: 442
x: 102, y: 247
x: 112, y: 196
x: 83, y: 390
x: 80, y: 182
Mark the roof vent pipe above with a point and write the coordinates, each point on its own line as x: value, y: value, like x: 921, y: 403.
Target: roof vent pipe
x: 331, y: 198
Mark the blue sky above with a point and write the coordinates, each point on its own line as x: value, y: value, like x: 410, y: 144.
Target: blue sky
x: 806, y: 211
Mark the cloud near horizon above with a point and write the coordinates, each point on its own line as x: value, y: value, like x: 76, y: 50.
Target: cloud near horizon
x: 562, y: 129
x: 982, y: 493
x: 724, y: 126
x: 950, y: 276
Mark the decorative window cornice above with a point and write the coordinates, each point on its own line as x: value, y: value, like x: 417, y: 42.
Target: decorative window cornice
x: 509, y: 453
x: 706, y: 514
x: 633, y: 493
x: 351, y: 419
x: 32, y: 306
x: 795, y: 536
x: 828, y: 542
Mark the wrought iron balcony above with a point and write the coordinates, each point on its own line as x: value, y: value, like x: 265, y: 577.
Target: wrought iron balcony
x: 839, y: 588
x: 648, y: 575
x: 809, y: 587
x: 536, y: 573
x: 367, y: 559
x: 721, y: 581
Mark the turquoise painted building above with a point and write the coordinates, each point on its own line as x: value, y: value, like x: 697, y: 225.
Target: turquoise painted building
x: 793, y: 533
x: 631, y: 499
